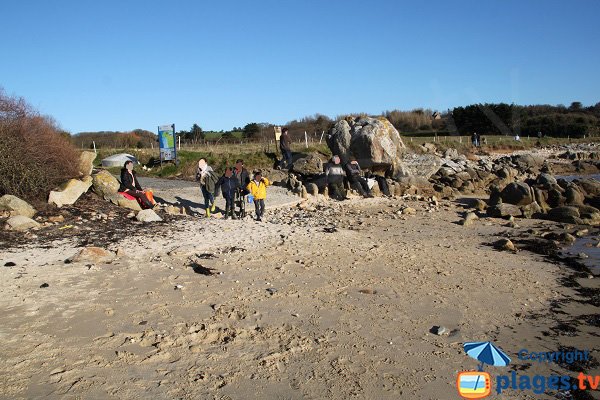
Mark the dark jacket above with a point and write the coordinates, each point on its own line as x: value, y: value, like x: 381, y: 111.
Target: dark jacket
x: 243, y: 178
x: 285, y: 142
x: 228, y: 186
x: 129, y: 182
x: 353, y: 170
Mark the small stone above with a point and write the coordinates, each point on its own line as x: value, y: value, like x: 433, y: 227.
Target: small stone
x: 469, y: 219
x: 441, y: 330
x: 44, y: 285
x: 195, y: 348
x: 583, y: 256
x: 272, y: 290
x: 582, y: 232
x: 56, y: 219
x: 505, y: 244
x: 178, y: 287
x: 590, y: 276
x: 10, y: 264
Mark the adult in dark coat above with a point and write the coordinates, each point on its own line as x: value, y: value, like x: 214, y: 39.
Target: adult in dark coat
x: 131, y: 185
x: 285, y: 145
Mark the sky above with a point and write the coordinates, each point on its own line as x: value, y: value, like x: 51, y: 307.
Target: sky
x: 123, y: 65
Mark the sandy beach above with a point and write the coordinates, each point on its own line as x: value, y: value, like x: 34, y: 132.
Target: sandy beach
x: 344, y: 306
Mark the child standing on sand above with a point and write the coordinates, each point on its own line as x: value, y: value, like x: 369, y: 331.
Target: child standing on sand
x: 258, y: 189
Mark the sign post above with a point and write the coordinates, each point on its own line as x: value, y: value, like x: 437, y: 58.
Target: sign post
x: 166, y: 143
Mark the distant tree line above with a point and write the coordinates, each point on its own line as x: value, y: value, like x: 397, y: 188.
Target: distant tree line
x: 510, y: 119
x: 138, y: 138
x: 485, y: 119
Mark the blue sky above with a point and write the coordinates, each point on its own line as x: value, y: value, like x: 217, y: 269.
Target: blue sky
x: 122, y: 65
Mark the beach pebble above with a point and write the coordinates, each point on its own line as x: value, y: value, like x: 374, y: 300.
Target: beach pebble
x: 469, y: 219
x: 583, y: 256
x: 10, y: 264
x: 441, y: 330
x: 505, y: 244
x: 178, y: 287
x: 582, y: 232
x: 271, y: 290
x: 44, y: 285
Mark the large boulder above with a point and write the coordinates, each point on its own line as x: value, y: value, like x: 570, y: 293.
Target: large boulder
x: 86, y: 163
x: 123, y: 202
x: 21, y: 223
x: 309, y: 165
x: 16, y: 206
x: 374, y: 142
x: 527, y: 161
x: 70, y: 191
x: 565, y: 214
x: 517, y: 193
x: 105, y: 184
x: 591, y: 187
x: 504, y: 210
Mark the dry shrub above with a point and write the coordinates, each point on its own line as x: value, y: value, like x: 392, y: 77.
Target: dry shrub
x: 34, y: 156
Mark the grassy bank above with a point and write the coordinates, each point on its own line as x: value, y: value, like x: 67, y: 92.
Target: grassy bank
x: 264, y: 155
x: 255, y: 155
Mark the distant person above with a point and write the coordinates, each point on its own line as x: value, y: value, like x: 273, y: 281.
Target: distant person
x: 484, y: 140
x: 356, y: 178
x: 258, y: 189
x: 131, y: 186
x: 517, y: 137
x: 334, y: 177
x: 208, y: 185
x: 243, y: 178
x: 285, y: 145
x: 474, y: 139
x: 229, y: 186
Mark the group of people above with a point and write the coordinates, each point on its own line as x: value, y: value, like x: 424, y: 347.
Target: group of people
x: 236, y: 185
x: 338, y: 177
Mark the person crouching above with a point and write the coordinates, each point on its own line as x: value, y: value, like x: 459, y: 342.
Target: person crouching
x: 258, y: 189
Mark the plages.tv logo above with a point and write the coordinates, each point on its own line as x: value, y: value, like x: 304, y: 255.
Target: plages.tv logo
x: 478, y: 384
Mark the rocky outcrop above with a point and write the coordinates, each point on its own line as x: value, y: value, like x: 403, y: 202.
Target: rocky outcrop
x: 310, y: 165
x: 105, y: 184
x: 70, y: 191
x: 15, y: 206
x: 86, y: 163
x: 517, y: 193
x: 374, y: 142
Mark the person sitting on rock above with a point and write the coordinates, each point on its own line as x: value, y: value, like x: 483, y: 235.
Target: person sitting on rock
x: 131, y: 186
x: 208, y: 179
x: 334, y: 178
x: 258, y: 189
x: 356, y: 179
x: 229, y: 186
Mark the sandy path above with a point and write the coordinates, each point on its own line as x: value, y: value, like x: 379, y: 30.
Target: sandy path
x: 290, y: 312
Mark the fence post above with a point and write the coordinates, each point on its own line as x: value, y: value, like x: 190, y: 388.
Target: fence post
x: 306, y: 139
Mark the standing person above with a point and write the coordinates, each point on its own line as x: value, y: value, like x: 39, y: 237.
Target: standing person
x: 356, y: 179
x: 285, y: 144
x: 334, y: 177
x: 258, y: 188
x: 475, y: 139
x: 229, y: 186
x: 243, y: 179
x: 131, y: 186
x: 208, y: 180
